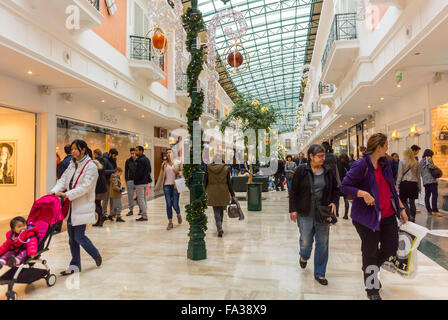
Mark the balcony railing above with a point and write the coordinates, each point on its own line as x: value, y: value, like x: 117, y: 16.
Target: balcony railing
x: 343, y: 28
x: 325, y: 88
x: 95, y: 3
x: 315, y: 107
x: 181, y: 82
x: 141, y: 50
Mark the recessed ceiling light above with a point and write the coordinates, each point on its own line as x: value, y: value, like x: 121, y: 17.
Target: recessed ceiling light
x: 352, y: 118
x: 102, y: 100
x: 124, y: 109
x: 382, y: 98
x: 143, y: 115
x: 398, y: 85
x: 369, y: 106
x: 346, y: 123
x: 30, y: 72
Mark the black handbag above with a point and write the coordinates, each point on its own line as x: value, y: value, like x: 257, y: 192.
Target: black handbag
x: 322, y: 213
x: 436, y: 172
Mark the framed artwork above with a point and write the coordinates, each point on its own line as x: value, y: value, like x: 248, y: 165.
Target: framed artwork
x: 8, y: 163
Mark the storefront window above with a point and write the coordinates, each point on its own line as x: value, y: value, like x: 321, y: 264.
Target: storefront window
x: 96, y: 138
x: 340, y: 144
x: 17, y: 162
x: 439, y: 130
x: 368, y: 130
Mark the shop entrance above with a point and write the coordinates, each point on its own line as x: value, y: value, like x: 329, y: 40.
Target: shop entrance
x: 17, y: 162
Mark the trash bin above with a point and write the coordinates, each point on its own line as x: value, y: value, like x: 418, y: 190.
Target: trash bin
x: 254, y: 196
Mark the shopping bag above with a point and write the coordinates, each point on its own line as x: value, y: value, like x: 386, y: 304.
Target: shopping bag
x: 409, y: 236
x: 181, y: 185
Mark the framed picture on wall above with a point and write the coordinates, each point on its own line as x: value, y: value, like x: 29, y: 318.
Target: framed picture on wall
x: 8, y: 163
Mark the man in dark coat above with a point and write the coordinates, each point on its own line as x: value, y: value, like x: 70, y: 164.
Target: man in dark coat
x: 64, y: 163
x: 141, y: 180
x: 279, y: 175
x: 129, y: 175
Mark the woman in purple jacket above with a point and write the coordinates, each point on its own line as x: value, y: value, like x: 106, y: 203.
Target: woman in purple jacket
x: 375, y: 209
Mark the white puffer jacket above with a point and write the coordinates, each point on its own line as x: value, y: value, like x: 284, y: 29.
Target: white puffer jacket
x: 83, y: 196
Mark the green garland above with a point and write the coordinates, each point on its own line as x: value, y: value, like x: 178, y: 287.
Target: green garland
x: 193, y: 25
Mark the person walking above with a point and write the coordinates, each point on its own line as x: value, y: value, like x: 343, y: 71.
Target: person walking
x: 219, y: 189
x: 301, y: 159
x: 169, y: 172
x: 129, y: 176
x: 394, y: 163
x: 141, y: 180
x: 79, y: 180
x: 375, y: 209
x: 415, y: 150
x: 313, y: 185
x: 409, y: 183
x: 430, y: 183
x: 279, y: 175
x: 290, y: 168
x: 343, y: 168
x: 101, y: 187
x: 115, y: 195
x: 63, y: 165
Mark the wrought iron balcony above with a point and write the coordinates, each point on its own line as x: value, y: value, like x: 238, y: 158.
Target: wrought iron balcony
x: 141, y: 50
x: 343, y: 28
x: 325, y: 88
x: 95, y: 4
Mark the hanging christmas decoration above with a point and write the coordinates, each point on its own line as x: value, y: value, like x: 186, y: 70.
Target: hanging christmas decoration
x: 212, y: 77
x: 236, y: 54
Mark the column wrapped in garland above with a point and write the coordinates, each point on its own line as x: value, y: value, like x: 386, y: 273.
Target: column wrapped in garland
x: 196, y: 216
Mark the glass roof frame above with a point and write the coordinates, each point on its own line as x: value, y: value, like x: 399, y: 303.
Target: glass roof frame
x: 279, y: 41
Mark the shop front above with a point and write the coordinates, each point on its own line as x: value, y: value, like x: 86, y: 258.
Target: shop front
x: 340, y: 144
x: 17, y: 162
x: 96, y: 137
x: 439, y: 145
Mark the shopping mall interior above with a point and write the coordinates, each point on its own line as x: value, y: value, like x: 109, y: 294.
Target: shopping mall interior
x: 192, y: 79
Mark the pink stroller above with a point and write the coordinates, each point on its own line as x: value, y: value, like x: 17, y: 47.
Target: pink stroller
x: 46, y: 215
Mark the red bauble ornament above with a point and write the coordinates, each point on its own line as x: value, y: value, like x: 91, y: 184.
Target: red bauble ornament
x: 235, y: 59
x: 159, y: 41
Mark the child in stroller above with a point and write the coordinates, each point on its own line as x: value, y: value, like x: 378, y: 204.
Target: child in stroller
x: 21, y: 241
x: 35, y: 233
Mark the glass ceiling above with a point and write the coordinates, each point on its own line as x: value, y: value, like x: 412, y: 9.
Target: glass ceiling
x: 280, y: 40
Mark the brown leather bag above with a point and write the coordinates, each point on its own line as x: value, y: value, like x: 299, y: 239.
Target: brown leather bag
x: 234, y: 210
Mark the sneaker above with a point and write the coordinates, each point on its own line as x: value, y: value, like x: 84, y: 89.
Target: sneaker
x: 220, y: 233
x: 179, y: 218
x: 130, y: 213
x: 70, y: 270
x: 119, y: 219
x: 170, y: 226
x: 141, y: 219
x: 98, y: 261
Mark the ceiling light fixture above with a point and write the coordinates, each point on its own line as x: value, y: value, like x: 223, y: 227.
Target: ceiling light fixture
x: 30, y: 72
x: 124, y: 109
x: 398, y: 85
x: 102, y: 100
x: 382, y: 98
x: 369, y: 106
x: 143, y: 115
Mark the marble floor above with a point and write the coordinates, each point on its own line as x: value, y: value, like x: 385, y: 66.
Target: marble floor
x: 256, y: 259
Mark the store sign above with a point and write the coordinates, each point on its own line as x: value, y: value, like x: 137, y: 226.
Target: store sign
x: 109, y: 117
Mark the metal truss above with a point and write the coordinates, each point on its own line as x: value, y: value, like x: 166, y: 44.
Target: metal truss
x: 280, y: 40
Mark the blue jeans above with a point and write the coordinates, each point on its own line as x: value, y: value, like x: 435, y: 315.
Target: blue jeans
x: 310, y: 230
x: 288, y: 184
x: 235, y: 172
x: 77, y: 238
x: 431, y: 189
x: 171, y: 199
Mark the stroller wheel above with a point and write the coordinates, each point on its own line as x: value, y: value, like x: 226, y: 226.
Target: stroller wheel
x: 51, y: 280
x: 11, y: 295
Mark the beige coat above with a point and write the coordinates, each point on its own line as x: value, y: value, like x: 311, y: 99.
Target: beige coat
x: 161, y: 180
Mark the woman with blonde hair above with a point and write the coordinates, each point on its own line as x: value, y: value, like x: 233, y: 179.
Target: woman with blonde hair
x: 408, y: 182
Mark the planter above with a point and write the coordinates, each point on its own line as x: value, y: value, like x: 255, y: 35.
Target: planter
x: 254, y: 196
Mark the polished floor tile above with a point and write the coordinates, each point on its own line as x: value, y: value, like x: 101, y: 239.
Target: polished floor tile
x: 256, y: 259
